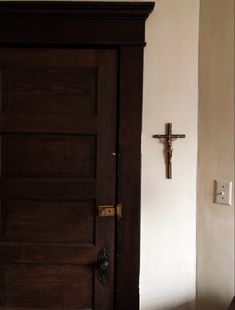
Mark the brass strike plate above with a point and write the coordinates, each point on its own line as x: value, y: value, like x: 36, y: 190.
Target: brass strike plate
x: 109, y: 210
x: 119, y: 210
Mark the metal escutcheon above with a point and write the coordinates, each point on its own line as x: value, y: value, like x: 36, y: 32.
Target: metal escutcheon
x: 103, y: 266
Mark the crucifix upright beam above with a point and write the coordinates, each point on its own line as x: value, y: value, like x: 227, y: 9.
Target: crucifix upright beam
x: 169, y: 138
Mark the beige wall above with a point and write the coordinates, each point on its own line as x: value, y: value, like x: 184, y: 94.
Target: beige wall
x: 168, y: 238
x: 215, y: 223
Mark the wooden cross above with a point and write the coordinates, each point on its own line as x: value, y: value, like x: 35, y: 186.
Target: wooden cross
x: 168, y: 139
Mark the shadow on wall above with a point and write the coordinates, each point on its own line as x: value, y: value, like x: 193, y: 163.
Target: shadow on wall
x: 185, y: 306
x: 211, y: 303
x: 189, y: 305
x: 208, y: 303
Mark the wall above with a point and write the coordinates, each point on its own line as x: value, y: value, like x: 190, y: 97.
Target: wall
x: 168, y: 239
x: 215, y: 267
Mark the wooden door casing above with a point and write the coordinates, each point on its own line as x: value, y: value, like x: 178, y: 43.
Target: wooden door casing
x: 101, y: 25
x: 58, y: 137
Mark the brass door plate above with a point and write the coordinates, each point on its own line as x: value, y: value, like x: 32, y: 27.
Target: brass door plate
x: 110, y: 210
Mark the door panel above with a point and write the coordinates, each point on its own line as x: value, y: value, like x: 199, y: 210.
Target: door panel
x: 48, y: 286
x: 62, y: 156
x: 63, y: 222
x: 58, y: 140
x: 50, y: 91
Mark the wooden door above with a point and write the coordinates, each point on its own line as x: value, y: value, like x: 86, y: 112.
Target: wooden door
x: 58, y: 145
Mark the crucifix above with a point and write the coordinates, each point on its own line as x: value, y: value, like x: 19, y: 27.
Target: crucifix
x: 168, y: 139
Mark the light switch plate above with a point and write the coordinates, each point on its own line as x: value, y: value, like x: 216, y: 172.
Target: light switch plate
x: 223, y: 192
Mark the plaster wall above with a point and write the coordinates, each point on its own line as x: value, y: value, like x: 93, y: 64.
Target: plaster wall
x: 215, y: 223
x: 168, y: 238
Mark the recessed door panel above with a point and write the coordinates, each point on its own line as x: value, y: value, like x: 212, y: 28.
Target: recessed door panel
x: 50, y: 91
x: 43, y: 221
x: 47, y: 286
x: 49, y: 155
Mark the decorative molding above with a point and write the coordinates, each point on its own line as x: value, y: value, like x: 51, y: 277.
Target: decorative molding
x: 96, y: 10
x: 59, y: 22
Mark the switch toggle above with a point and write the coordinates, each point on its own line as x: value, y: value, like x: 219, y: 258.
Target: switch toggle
x: 223, y: 193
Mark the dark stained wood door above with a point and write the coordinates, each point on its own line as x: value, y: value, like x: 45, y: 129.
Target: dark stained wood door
x: 58, y: 145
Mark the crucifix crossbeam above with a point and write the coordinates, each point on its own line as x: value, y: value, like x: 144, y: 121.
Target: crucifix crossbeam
x: 168, y: 139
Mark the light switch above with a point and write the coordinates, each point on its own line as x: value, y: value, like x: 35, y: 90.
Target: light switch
x: 223, y: 192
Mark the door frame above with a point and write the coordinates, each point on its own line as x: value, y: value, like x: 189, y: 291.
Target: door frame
x: 115, y: 25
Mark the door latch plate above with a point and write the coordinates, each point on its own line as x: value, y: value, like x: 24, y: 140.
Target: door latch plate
x: 110, y: 210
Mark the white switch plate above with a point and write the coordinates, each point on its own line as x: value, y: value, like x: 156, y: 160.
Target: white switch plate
x: 223, y: 193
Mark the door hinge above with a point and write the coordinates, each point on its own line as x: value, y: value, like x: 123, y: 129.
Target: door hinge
x: 110, y: 210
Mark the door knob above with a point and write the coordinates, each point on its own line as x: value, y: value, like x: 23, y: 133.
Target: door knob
x: 103, y: 266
